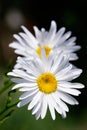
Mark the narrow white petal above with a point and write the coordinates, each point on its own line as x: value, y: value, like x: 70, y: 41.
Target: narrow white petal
x: 28, y: 41
x: 64, y: 71
x: 71, y: 41
x: 63, y: 114
x: 59, y: 34
x: 65, y: 36
x: 24, y: 102
x: 38, y: 34
x: 44, y: 106
x: 11, y: 74
x: 19, y: 80
x: 69, y: 90
x: 19, y: 39
x: 52, y: 31
x: 25, y: 75
x: 70, y: 85
x: 28, y: 94
x: 60, y: 102
x: 35, y: 100
x: 38, y: 114
x: 44, y: 59
x: 73, y: 56
x: 16, y: 45
x: 57, y: 62
x: 29, y: 34
x: 55, y: 104
x: 36, y: 108
x: 24, y: 85
x: 51, y: 108
x: 27, y: 89
x: 67, y: 98
x: 73, y: 74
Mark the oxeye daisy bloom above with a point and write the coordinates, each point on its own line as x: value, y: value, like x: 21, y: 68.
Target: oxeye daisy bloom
x: 46, y: 83
x: 28, y: 45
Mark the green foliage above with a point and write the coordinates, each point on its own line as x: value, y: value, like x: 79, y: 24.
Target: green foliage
x: 9, y: 105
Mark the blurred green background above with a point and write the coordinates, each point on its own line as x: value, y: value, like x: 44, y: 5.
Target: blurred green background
x: 70, y: 14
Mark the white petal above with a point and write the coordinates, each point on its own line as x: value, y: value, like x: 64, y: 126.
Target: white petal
x: 19, y: 39
x: 58, y: 35
x: 11, y: 74
x: 70, y: 85
x: 71, y: 41
x: 51, y: 107
x: 28, y: 94
x: 74, y: 73
x: 24, y: 85
x: 24, y: 102
x: 37, y: 33
x: 36, y: 108
x: 64, y: 71
x: 35, y: 100
x: 19, y: 80
x: 57, y: 62
x: 69, y: 90
x: 64, y: 114
x: 52, y: 31
x: 73, y: 56
x: 27, y: 89
x: 44, y: 107
x: 65, y: 36
x: 25, y: 75
x: 55, y: 105
x: 44, y: 59
x: 38, y: 114
x: 60, y: 102
x: 67, y: 98
x: 16, y: 45
x: 28, y: 41
x: 29, y: 34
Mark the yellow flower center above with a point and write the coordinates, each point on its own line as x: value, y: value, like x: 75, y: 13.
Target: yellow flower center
x: 47, y: 50
x: 47, y: 83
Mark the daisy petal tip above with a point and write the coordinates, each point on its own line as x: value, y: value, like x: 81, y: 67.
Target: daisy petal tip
x: 9, y: 74
x: 13, y: 88
x: 29, y: 108
x: 54, y: 118
x: 82, y: 86
x: 14, y: 35
x: 18, y: 105
x: 77, y: 103
x: 81, y: 70
x: 42, y: 117
x: 10, y: 45
x: 37, y: 118
x: 22, y: 26
x: 63, y: 29
x: 53, y: 22
x: 64, y: 117
x: 34, y: 27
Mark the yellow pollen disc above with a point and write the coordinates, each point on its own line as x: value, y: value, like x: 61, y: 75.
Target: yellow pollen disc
x: 47, y: 83
x: 47, y: 50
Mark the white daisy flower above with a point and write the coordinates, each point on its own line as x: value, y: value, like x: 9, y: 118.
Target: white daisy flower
x: 46, y: 84
x: 28, y: 45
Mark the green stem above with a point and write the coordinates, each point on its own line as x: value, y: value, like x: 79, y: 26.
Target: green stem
x: 8, y: 106
x: 5, y: 87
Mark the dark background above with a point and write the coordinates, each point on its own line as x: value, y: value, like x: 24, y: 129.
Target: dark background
x: 70, y: 14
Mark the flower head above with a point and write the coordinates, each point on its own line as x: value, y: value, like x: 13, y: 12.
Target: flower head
x: 46, y: 83
x: 28, y: 45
